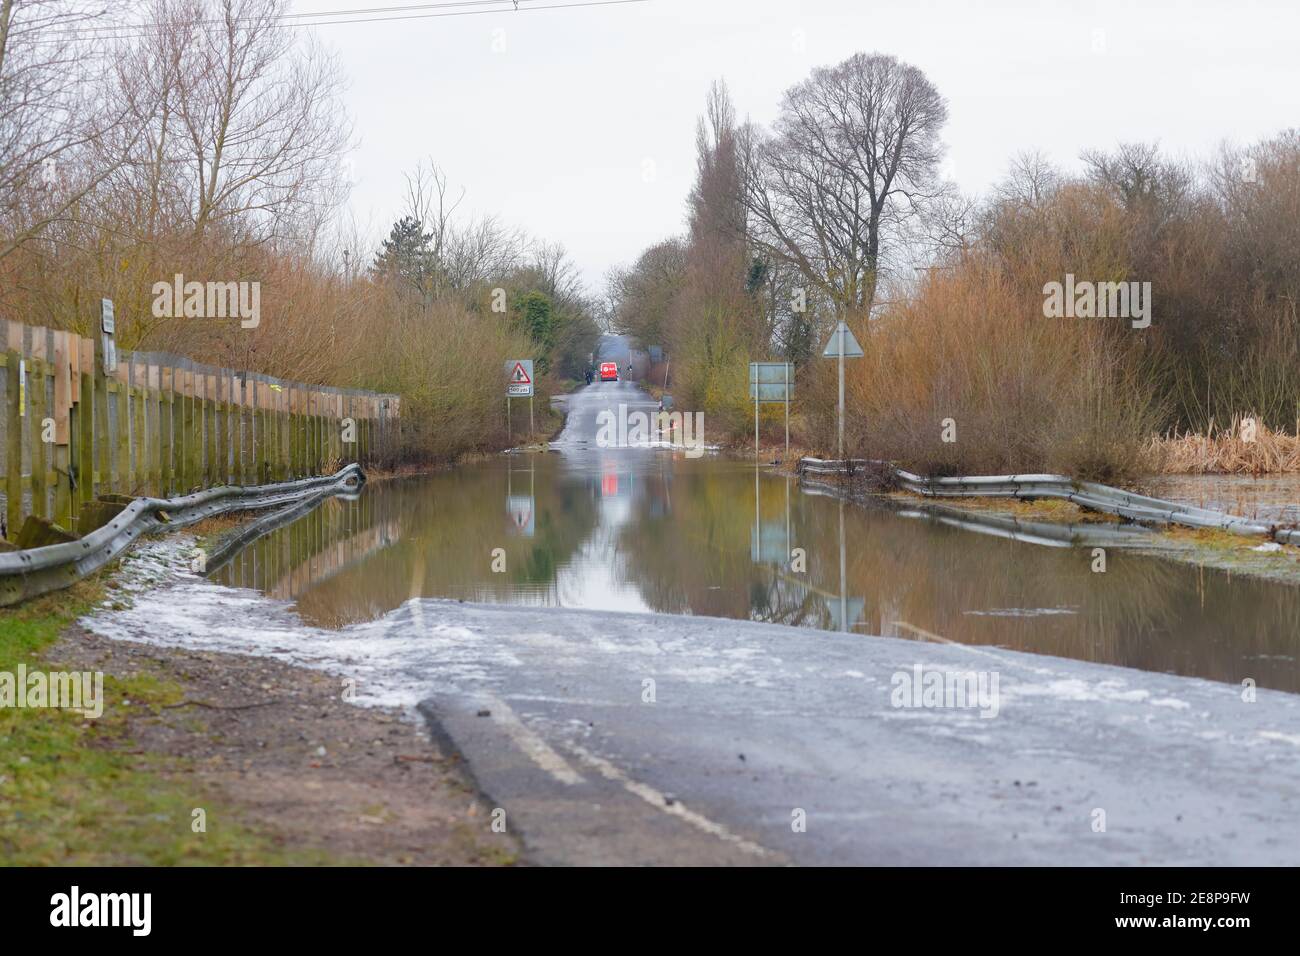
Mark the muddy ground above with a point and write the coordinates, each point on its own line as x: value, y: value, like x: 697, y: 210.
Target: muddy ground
x: 280, y: 747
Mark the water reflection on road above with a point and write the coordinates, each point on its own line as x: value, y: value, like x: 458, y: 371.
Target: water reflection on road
x: 638, y: 530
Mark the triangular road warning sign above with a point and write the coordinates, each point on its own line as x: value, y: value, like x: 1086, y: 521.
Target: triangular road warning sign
x: 519, y: 376
x: 842, y: 334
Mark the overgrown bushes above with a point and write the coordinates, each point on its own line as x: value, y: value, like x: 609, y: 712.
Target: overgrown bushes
x: 448, y: 364
x: 967, y: 376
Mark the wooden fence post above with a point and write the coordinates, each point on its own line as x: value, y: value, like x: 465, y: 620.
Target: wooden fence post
x: 299, y: 434
x: 14, y: 435
x: 313, y: 430
x: 193, y: 430
x: 140, y: 438
x: 122, y: 438
x: 103, y: 444
x: 167, y: 440
x: 259, y: 414
x: 86, y: 423
x: 154, y: 385
x: 62, y: 450
x: 37, y: 448
x: 237, y: 396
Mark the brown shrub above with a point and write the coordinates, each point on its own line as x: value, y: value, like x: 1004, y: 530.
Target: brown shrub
x: 1024, y: 393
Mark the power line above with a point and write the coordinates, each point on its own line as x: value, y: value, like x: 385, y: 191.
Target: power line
x: 463, y: 13
x: 361, y: 15
x: 304, y: 16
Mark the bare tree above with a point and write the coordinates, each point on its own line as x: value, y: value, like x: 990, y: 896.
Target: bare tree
x: 485, y: 249
x: 248, y: 124
x: 557, y: 273
x: 56, y: 125
x: 643, y: 296
x: 1031, y: 181
x: 428, y: 203
x: 853, y: 154
x: 1140, y: 178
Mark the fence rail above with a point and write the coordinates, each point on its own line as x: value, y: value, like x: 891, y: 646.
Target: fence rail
x: 1086, y: 494
x: 162, y: 425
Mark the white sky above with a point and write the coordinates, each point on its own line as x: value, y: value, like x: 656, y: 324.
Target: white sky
x: 554, y: 133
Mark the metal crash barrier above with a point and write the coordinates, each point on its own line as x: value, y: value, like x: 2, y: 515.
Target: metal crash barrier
x: 1086, y: 494
x: 27, y: 573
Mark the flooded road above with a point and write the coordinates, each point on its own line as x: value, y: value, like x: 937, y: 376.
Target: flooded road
x: 636, y: 669
x: 650, y: 529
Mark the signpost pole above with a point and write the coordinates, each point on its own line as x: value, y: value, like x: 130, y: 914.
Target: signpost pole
x: 756, y: 388
x: 507, y: 419
x: 787, y: 412
x: 530, y: 417
x: 841, y: 422
x: 837, y: 348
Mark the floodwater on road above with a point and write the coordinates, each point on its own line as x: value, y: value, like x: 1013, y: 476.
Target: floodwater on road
x: 655, y: 530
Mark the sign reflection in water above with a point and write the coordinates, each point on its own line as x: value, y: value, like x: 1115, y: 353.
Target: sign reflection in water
x: 771, y: 544
x: 521, y: 508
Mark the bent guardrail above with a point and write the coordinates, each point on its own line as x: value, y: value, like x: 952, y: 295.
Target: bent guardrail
x: 34, y: 571
x: 1087, y: 494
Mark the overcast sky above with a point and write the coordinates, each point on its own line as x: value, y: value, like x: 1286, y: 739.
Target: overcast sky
x: 581, y: 129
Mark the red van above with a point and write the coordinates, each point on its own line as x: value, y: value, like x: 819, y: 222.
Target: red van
x: 609, y: 371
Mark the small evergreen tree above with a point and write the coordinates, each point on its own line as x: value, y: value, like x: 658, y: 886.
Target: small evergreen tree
x: 407, y: 256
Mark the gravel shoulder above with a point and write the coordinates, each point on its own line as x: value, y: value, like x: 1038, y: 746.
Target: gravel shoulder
x: 278, y: 750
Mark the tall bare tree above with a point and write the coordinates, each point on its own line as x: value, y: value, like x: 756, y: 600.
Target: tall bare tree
x: 245, y: 122
x: 852, y: 155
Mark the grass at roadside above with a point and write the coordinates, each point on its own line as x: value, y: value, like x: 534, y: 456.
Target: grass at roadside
x: 76, y: 791
x: 1051, y: 510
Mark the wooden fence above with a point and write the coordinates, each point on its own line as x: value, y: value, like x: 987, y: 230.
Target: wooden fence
x: 162, y: 425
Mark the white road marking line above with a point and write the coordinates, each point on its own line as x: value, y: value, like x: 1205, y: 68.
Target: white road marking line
x: 531, y: 744
x: 656, y: 799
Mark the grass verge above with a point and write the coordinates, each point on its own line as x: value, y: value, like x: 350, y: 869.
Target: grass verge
x: 76, y: 791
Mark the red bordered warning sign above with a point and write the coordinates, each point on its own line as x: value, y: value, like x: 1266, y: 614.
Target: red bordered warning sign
x: 519, y: 378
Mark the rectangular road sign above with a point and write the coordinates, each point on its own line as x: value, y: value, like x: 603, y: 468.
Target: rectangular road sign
x: 771, y: 381
x: 519, y: 378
